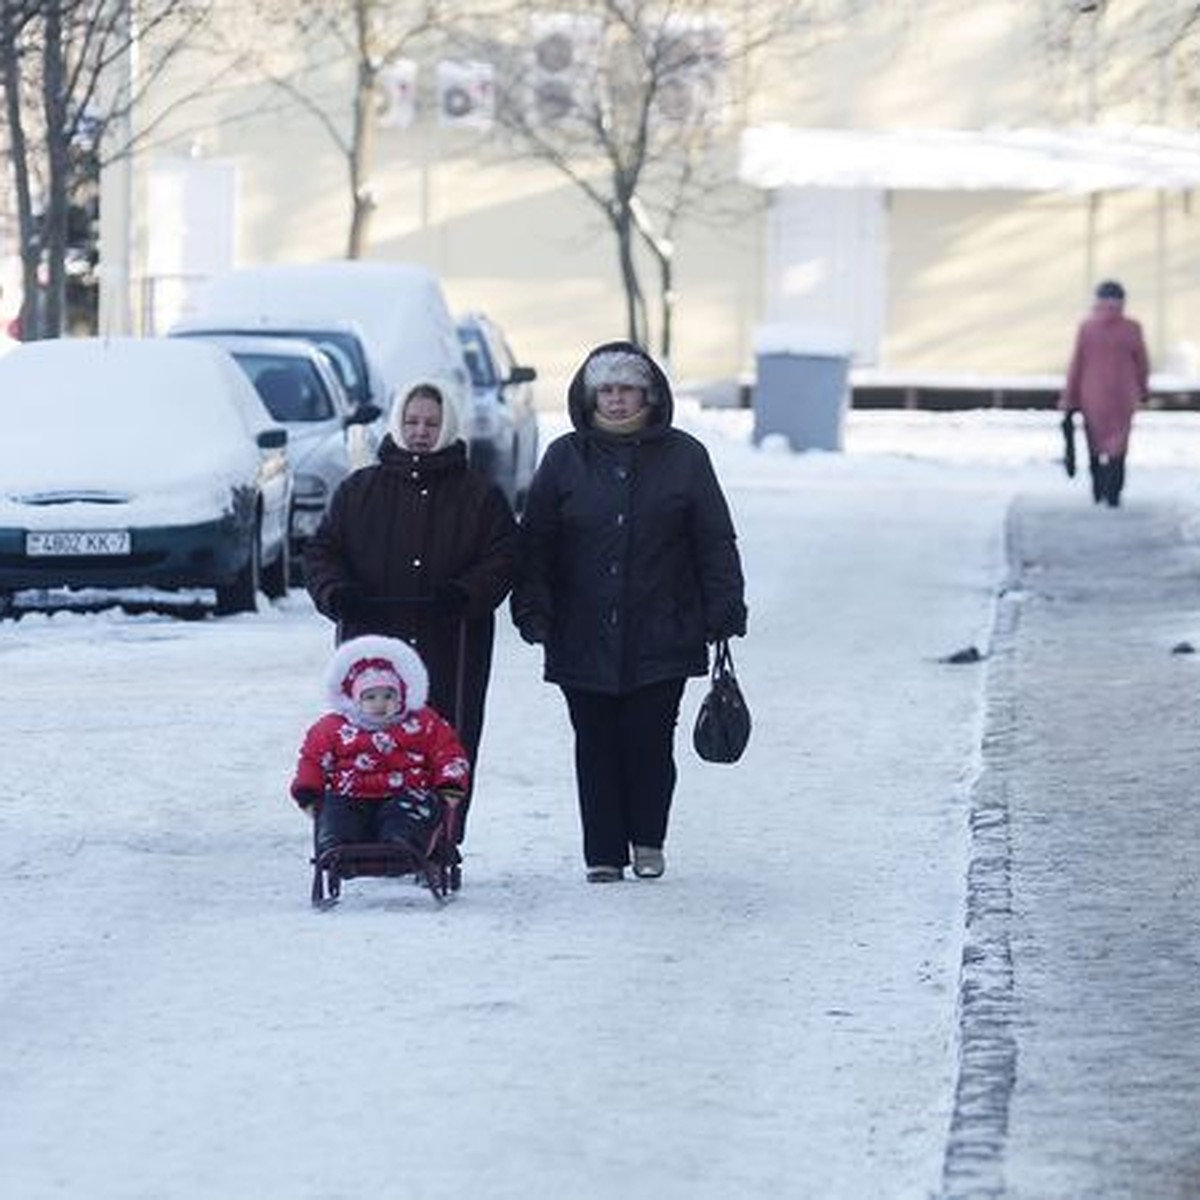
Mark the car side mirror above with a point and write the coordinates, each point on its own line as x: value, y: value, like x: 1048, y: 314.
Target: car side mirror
x: 272, y: 439
x: 522, y: 375
x: 364, y: 414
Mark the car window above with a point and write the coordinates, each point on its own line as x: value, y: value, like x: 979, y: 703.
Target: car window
x: 344, y: 353
x: 290, y: 388
x: 479, y: 363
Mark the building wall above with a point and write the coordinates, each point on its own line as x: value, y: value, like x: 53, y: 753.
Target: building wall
x: 989, y: 282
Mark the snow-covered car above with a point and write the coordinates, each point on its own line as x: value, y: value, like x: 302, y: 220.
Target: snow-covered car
x: 328, y: 435
x: 129, y: 463
x: 502, y: 425
x: 397, y: 310
x: 340, y: 340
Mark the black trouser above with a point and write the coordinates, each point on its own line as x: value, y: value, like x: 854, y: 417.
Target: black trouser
x: 624, y: 767
x: 1107, y: 471
x: 1108, y: 478
x: 406, y: 818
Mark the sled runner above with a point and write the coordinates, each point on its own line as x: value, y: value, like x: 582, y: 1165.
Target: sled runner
x: 438, y: 867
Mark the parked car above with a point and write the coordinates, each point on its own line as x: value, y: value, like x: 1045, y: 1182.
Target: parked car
x: 328, y: 436
x: 502, y: 425
x: 134, y: 463
x: 341, y: 341
x: 398, y: 311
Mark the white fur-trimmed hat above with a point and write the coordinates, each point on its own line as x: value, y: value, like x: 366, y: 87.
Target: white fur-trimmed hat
x: 375, y: 661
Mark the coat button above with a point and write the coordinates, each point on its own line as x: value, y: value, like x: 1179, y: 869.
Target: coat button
x: 620, y: 518
x: 416, y: 562
x: 613, y: 568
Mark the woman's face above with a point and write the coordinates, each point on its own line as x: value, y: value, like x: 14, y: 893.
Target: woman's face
x: 421, y: 424
x: 619, y: 401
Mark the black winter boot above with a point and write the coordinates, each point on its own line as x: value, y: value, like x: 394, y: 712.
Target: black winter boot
x: 1115, y: 480
x: 1098, y: 474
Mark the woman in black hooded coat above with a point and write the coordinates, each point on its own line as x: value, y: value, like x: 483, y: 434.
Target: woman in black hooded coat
x: 629, y: 566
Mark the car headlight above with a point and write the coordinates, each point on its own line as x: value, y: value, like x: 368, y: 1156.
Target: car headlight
x: 310, y: 491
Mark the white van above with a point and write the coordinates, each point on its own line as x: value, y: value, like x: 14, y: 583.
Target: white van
x: 397, y: 309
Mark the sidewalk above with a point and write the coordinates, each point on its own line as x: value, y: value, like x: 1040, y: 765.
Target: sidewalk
x: 1080, y: 1005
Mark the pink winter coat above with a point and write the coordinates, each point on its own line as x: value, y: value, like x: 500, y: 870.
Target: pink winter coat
x: 418, y: 753
x: 1109, y: 375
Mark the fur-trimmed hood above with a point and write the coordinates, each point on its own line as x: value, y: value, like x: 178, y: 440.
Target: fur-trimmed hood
x: 581, y: 400
x: 351, y: 657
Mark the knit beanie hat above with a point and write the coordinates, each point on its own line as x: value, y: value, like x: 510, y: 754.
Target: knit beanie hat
x: 613, y: 368
x: 375, y: 661
x: 371, y: 673
x: 1110, y: 289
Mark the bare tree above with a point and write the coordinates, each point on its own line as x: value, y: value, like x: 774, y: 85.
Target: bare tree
x: 1137, y: 57
x: 367, y: 36
x: 60, y: 64
x: 637, y: 103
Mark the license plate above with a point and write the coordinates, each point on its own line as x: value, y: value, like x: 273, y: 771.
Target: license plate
x: 71, y: 543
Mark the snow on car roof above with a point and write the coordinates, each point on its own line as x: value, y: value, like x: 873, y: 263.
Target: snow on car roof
x: 124, y: 414
x: 378, y: 294
x: 398, y: 307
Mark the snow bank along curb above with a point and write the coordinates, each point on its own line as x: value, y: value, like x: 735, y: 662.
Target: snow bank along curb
x: 974, y: 1159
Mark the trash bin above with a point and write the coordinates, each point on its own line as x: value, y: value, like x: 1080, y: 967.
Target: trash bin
x: 802, y: 387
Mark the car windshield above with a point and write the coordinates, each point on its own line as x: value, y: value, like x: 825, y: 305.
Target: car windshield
x: 290, y: 387
x: 475, y: 352
x: 343, y: 350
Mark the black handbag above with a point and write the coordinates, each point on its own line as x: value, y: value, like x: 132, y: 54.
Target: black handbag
x: 723, y: 722
x: 1068, y: 432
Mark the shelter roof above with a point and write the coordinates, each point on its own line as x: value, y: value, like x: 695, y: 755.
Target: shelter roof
x: 1071, y: 159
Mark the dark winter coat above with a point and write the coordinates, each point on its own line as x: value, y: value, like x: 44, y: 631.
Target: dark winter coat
x: 629, y: 561
x: 407, y: 546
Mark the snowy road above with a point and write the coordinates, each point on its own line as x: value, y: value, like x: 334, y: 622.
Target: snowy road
x: 776, y: 1017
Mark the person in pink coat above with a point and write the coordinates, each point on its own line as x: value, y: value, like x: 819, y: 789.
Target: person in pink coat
x: 1108, y: 376
x: 380, y: 765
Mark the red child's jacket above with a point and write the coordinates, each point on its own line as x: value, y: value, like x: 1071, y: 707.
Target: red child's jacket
x: 420, y: 752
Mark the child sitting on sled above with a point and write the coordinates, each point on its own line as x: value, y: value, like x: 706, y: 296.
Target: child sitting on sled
x: 381, y: 766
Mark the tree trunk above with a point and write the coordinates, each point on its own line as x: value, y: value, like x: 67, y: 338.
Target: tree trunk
x: 666, y: 278
x: 635, y: 301
x: 19, y: 150
x: 362, y: 142
x: 54, y: 212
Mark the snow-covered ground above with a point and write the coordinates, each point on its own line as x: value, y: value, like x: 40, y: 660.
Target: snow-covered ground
x: 775, y: 1017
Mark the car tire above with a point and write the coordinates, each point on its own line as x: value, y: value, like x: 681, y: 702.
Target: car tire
x: 278, y: 576
x: 242, y: 594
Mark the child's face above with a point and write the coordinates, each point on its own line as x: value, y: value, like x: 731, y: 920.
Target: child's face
x: 379, y: 701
